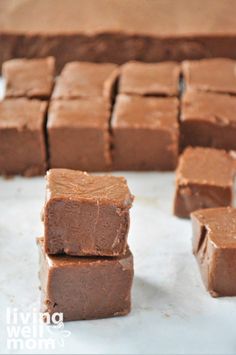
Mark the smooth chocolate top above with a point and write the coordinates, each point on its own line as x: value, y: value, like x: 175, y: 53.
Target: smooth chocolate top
x: 29, y: 77
x: 150, y: 79
x: 212, y: 107
x: 82, y: 79
x: 22, y: 114
x: 159, y: 18
x: 206, y: 166
x: 58, y: 261
x: 145, y: 112
x: 78, y: 113
x: 220, y: 224
x: 78, y: 185
x: 217, y: 75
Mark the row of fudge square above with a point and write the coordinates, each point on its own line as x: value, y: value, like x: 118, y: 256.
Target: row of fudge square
x: 86, y: 266
x: 86, y: 130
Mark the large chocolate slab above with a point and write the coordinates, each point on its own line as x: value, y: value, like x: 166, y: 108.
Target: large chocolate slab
x: 117, y: 31
x: 204, y: 179
x: 86, y: 215
x: 78, y: 134
x: 31, y: 78
x: 145, y: 133
x: 85, y: 288
x: 22, y: 141
x: 214, y: 246
x: 208, y: 119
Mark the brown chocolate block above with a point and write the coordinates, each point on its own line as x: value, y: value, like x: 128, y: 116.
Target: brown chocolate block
x: 145, y: 133
x: 208, y: 120
x: 144, y: 79
x: 216, y: 75
x: 86, y: 215
x: 84, y: 80
x: 32, y: 78
x: 204, y: 179
x: 117, y: 31
x: 22, y: 141
x: 85, y: 288
x: 214, y: 246
x: 78, y: 133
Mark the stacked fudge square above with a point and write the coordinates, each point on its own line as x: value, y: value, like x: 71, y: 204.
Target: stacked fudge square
x: 86, y: 267
x: 23, y: 116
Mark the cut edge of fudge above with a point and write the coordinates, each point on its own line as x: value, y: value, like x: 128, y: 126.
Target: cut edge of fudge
x: 213, y: 244
x: 93, y: 210
x: 104, y: 292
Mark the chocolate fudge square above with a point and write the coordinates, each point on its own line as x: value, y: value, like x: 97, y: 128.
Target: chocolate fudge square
x: 208, y: 120
x: 86, y: 215
x: 145, y: 133
x: 204, y: 179
x: 78, y: 134
x: 214, y: 246
x: 22, y: 140
x: 83, y: 80
x: 85, y: 288
x: 32, y: 78
x: 216, y: 75
x: 159, y: 79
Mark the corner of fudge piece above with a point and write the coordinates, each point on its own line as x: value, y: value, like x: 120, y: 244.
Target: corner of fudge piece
x: 101, y: 287
x: 214, y: 246
x: 145, y: 133
x: 85, y: 214
x: 86, y: 80
x: 150, y: 79
x: 22, y: 137
x: 204, y: 179
x: 32, y: 78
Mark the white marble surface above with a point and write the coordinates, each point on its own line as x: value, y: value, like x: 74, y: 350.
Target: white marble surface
x: 171, y: 313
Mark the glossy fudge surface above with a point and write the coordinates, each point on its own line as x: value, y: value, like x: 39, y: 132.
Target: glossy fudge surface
x: 208, y: 120
x: 32, y: 78
x: 81, y: 79
x: 22, y: 141
x: 204, y: 179
x: 214, y: 245
x: 145, y: 133
x: 78, y: 133
x: 216, y: 75
x: 85, y: 214
x: 144, y: 79
x: 85, y: 288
